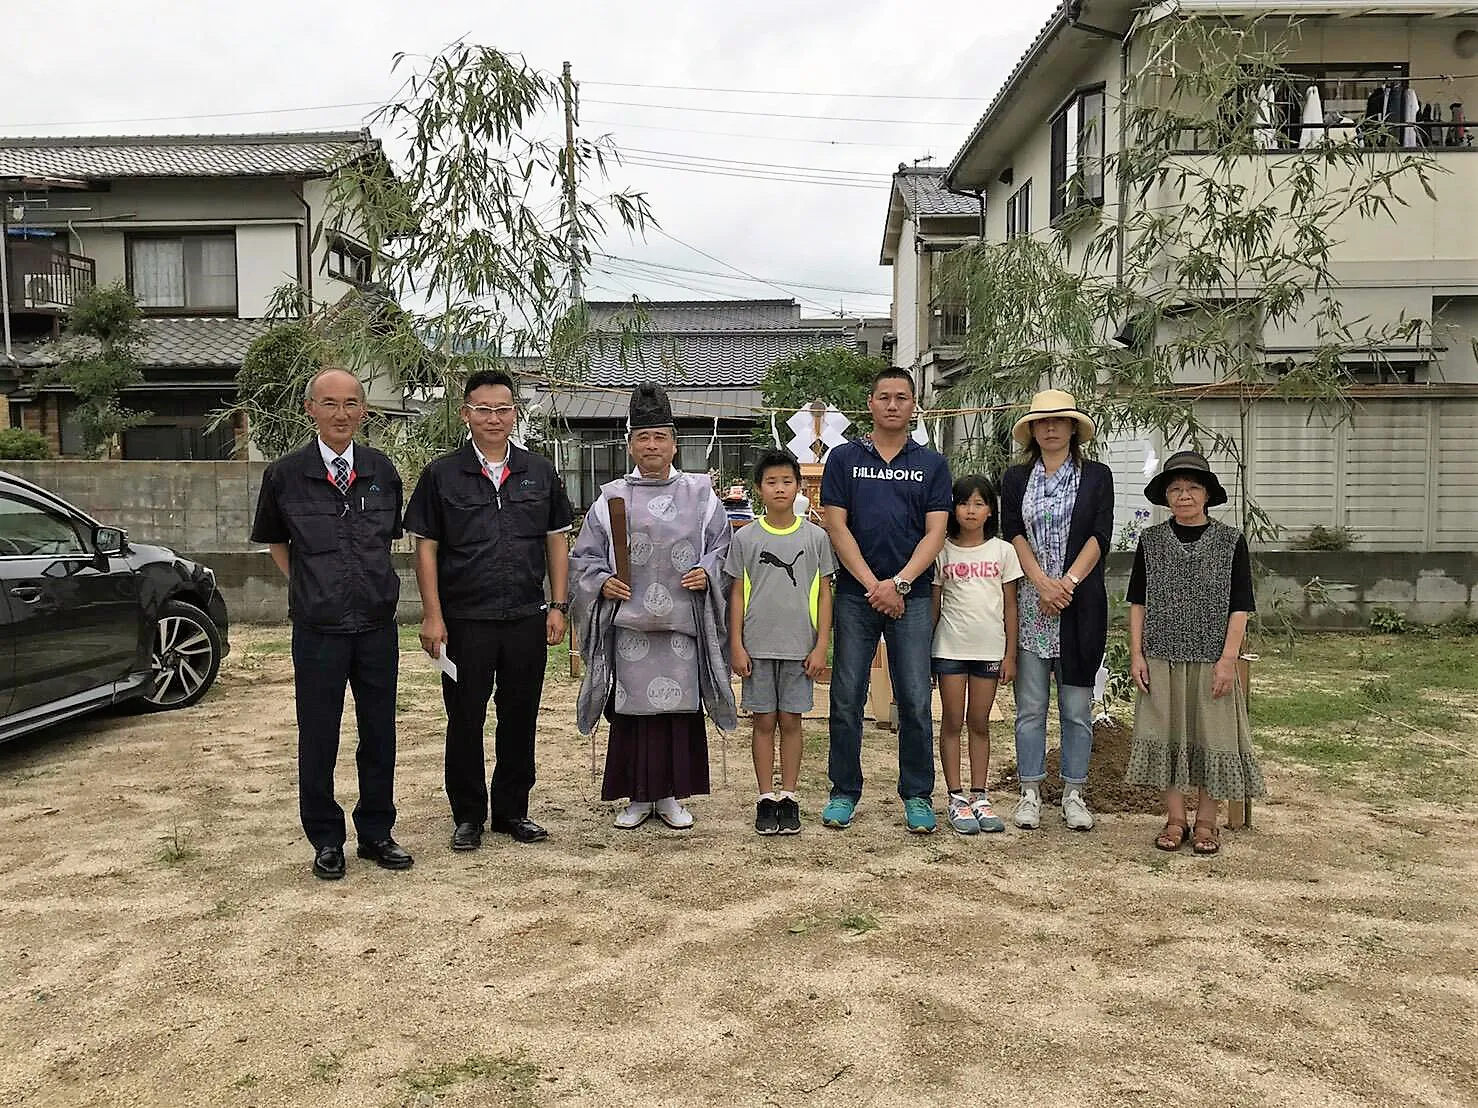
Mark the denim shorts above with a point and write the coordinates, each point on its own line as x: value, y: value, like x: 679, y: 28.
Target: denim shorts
x: 958, y: 667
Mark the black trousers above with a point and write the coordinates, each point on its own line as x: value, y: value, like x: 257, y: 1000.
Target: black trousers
x: 502, y: 659
x: 369, y: 663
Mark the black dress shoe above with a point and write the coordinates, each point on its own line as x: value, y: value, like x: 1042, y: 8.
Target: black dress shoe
x: 386, y: 853
x: 522, y: 830
x: 467, y: 836
x: 328, y: 863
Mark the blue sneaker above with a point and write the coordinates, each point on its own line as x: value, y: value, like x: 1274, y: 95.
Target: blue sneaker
x: 838, y: 812
x: 918, y: 813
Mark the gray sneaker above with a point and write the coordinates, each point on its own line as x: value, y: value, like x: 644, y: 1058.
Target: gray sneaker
x: 961, y: 816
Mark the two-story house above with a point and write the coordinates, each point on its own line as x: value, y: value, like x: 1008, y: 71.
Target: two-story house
x: 925, y: 222
x: 202, y: 229
x: 1400, y: 470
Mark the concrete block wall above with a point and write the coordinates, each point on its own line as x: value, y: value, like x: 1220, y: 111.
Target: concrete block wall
x: 200, y: 507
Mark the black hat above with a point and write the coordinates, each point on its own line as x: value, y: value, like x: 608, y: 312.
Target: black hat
x: 1185, y: 462
x: 649, y: 407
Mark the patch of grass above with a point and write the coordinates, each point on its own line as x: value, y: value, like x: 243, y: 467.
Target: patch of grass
x: 512, y: 1071
x: 1376, y: 690
x: 175, y: 847
x: 271, y: 646
x: 858, y: 923
x: 326, y: 1068
x: 1311, y: 708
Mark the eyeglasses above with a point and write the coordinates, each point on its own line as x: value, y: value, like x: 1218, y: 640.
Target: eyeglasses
x: 348, y: 407
x: 500, y: 411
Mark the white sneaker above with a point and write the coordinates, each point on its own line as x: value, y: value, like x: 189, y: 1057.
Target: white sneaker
x: 670, y: 812
x: 634, y: 814
x: 1028, y: 813
x: 1075, y: 813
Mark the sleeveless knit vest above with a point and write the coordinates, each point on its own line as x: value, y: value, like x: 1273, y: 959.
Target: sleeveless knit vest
x: 1188, y: 588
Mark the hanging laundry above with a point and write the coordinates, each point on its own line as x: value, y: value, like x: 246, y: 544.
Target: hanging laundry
x: 1265, y: 137
x: 1457, y: 133
x: 1409, y: 109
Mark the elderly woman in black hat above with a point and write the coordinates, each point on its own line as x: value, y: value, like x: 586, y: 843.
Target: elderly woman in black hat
x: 1057, y: 510
x: 652, y: 622
x: 1190, y: 594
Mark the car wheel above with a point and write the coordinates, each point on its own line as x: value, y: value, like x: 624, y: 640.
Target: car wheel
x: 187, y: 657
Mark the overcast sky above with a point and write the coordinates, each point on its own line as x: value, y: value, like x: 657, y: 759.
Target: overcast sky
x: 119, y: 68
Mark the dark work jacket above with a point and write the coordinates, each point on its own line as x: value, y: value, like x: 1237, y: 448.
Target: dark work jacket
x: 341, y: 579
x: 1085, y: 620
x: 491, y: 555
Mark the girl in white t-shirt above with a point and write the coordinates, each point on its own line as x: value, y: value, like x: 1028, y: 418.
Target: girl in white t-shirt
x: 974, y: 643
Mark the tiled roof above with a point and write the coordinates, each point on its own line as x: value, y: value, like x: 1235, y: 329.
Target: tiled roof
x: 109, y: 156
x: 578, y: 404
x: 203, y: 342
x: 714, y: 359
x: 922, y: 189
x: 701, y: 315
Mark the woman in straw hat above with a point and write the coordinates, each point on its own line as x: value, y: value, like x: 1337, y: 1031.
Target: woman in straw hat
x: 1057, y: 510
x: 1190, y: 594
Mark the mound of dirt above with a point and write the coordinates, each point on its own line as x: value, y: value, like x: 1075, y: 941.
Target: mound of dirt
x: 1106, y: 789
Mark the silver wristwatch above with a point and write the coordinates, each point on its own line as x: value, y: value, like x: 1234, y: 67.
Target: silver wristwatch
x: 902, y: 586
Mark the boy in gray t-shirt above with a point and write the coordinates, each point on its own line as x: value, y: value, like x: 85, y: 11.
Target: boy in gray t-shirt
x: 779, y: 629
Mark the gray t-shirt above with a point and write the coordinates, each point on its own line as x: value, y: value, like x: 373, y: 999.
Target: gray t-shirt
x: 782, y: 572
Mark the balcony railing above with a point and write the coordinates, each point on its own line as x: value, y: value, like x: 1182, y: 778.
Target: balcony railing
x: 44, y: 279
x: 946, y: 324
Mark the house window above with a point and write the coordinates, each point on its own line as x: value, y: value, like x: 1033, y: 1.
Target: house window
x: 195, y: 273
x: 350, y: 262
x: 1077, y: 152
x: 1019, y: 212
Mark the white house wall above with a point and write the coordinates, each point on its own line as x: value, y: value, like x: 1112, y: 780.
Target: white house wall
x: 266, y: 258
x: 907, y: 347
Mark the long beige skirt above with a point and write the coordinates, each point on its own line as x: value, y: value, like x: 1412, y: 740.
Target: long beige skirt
x: 1184, y: 738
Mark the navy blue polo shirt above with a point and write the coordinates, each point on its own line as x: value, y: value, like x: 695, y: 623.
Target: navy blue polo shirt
x: 887, y: 504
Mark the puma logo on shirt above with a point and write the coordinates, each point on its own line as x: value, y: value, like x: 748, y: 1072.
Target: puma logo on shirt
x: 769, y: 559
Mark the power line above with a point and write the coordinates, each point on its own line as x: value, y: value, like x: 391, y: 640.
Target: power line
x: 711, y: 273
x: 716, y: 172
x: 765, y: 165
x: 791, y: 92
x: 779, y: 115
x: 198, y: 115
x: 743, y: 134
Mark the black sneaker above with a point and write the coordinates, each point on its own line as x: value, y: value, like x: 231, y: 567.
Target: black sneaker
x: 766, y: 816
x: 789, y: 816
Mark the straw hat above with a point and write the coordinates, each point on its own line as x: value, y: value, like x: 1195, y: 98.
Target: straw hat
x: 1049, y: 404
x: 1185, y: 462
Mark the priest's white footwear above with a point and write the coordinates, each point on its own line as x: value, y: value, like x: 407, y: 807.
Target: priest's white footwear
x: 670, y: 812
x: 1075, y: 812
x: 634, y: 814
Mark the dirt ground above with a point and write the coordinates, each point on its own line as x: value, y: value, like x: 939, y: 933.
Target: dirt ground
x: 165, y: 944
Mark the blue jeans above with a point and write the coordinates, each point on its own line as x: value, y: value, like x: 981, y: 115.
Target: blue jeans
x: 857, y: 629
x: 1074, y: 711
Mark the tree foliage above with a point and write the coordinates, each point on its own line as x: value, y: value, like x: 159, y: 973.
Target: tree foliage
x: 1215, y: 243
x: 17, y: 444
x: 99, y: 359
x: 473, y: 235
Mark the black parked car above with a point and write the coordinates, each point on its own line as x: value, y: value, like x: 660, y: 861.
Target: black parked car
x: 90, y: 619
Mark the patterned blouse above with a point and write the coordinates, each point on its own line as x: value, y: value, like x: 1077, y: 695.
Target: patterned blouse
x: 1046, y: 512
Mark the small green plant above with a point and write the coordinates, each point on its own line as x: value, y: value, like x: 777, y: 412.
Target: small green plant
x: 17, y: 444
x: 325, y: 1068
x: 858, y: 923
x: 1388, y: 621
x: 1376, y: 690
x: 175, y: 847
x: 1320, y: 537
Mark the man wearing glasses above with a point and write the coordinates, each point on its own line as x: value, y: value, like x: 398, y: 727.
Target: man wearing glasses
x: 491, y: 521
x: 328, y: 513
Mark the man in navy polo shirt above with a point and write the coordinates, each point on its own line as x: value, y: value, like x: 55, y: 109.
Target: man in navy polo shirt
x: 887, y: 500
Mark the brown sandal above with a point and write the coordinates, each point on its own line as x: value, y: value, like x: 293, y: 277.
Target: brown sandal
x: 1173, y: 836
x: 1207, y: 840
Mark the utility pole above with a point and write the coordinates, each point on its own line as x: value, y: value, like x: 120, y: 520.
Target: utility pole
x: 572, y: 228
